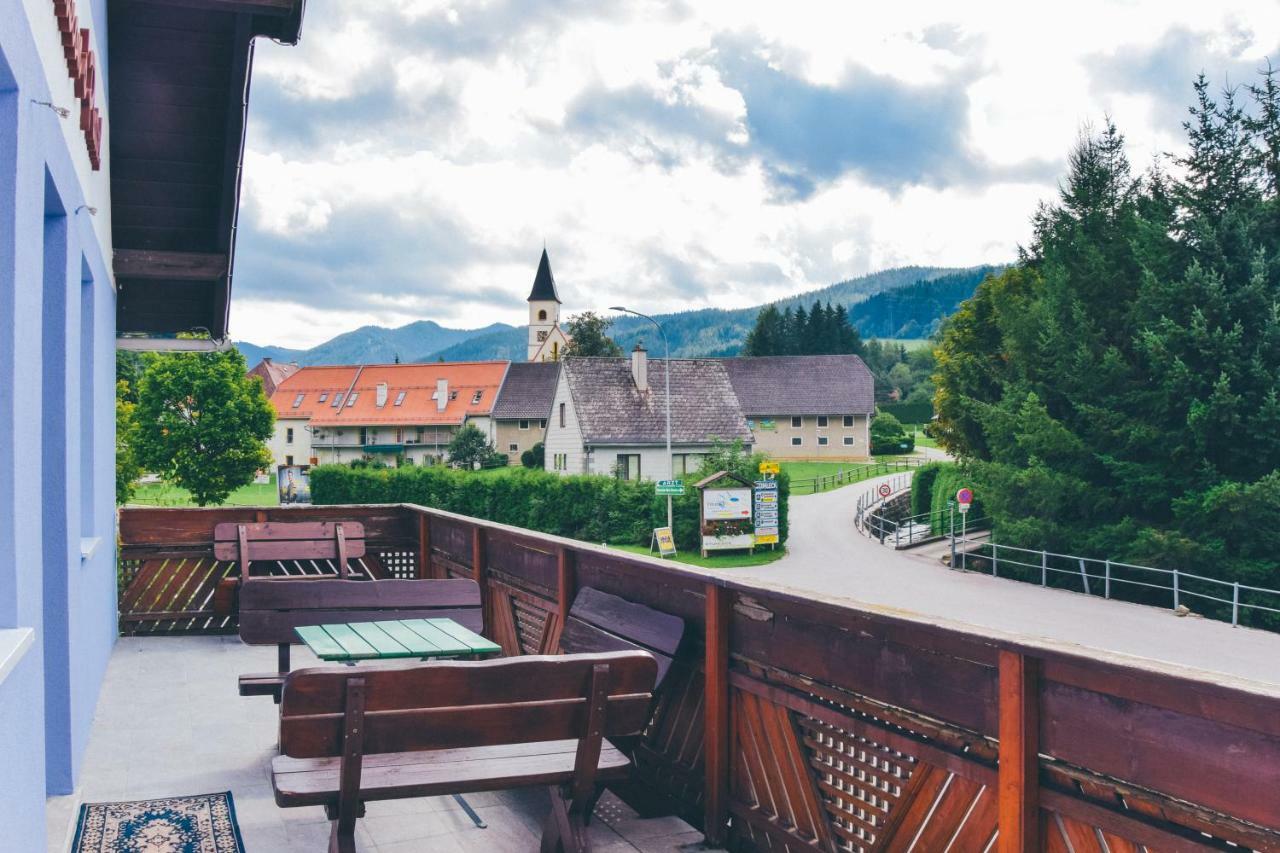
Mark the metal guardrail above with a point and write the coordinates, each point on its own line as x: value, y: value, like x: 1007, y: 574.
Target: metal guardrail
x: 1235, y: 602
x: 918, y: 529
x: 854, y: 474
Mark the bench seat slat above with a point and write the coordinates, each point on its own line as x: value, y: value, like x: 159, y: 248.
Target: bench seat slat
x: 310, y: 782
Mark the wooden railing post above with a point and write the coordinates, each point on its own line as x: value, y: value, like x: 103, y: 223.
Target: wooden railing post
x: 478, y: 572
x: 565, y: 583
x: 424, y: 547
x: 1018, y: 784
x: 716, y: 723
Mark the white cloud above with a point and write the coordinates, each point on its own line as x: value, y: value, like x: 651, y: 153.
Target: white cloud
x: 460, y: 126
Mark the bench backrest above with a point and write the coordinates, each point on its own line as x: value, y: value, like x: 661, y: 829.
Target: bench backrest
x: 448, y: 705
x: 243, y: 543
x: 270, y: 608
x: 600, y: 622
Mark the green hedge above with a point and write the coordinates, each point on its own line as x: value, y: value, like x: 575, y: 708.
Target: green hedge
x: 585, y: 507
x: 933, y: 485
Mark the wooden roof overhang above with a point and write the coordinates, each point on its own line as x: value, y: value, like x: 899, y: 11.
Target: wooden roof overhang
x: 179, y: 75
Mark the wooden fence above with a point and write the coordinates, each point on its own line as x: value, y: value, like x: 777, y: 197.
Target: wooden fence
x: 789, y: 724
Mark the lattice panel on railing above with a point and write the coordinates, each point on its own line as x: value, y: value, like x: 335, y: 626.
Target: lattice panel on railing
x: 860, y: 781
x: 522, y: 623
x: 531, y: 624
x: 399, y: 564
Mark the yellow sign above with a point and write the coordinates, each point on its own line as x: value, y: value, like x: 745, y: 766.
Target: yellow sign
x: 666, y: 542
x: 768, y: 539
x: 770, y: 468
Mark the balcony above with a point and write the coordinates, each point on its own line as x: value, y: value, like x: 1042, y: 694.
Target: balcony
x: 786, y: 723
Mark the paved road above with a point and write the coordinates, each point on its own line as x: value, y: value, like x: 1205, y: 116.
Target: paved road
x: 828, y: 556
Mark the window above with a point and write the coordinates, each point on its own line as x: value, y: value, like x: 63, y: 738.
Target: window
x: 796, y: 441
x: 351, y: 401
x: 324, y: 395
x: 685, y: 463
x: 288, y: 460
x: 560, y: 461
x: 364, y: 435
x: 628, y: 466
x: 297, y: 401
x: 542, y: 315
x: 542, y: 424
x: 288, y: 436
x: 562, y: 414
x: 476, y: 397
x: 848, y: 421
x: 400, y: 398
x: 822, y: 441
x: 523, y: 425
x: 337, y: 400
x: 797, y: 422
x: 848, y: 441
x: 513, y: 447
x: 453, y: 395
x: 822, y: 421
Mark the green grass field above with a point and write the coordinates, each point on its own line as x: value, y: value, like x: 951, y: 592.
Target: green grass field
x: 923, y: 440
x: 163, y: 494
x: 731, y: 560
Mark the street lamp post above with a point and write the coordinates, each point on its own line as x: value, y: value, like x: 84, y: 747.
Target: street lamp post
x: 666, y: 373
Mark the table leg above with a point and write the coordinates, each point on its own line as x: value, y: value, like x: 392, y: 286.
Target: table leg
x: 471, y: 813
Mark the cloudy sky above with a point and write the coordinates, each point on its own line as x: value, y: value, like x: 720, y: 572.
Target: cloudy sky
x: 409, y: 158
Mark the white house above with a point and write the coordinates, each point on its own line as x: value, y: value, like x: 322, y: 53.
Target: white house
x: 608, y: 416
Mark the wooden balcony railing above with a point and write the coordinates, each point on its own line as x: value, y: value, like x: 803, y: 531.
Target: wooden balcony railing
x: 793, y: 724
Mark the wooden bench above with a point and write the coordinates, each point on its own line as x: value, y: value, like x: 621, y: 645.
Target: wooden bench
x: 271, y: 608
x: 349, y: 736
x: 600, y: 622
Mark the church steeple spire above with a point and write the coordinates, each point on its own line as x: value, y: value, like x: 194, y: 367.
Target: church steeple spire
x: 544, y: 283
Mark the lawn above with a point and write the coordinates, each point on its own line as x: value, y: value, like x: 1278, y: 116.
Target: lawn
x: 730, y: 560
x: 923, y: 440
x: 163, y: 494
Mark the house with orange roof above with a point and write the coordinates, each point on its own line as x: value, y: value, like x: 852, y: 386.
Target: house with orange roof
x: 338, y: 414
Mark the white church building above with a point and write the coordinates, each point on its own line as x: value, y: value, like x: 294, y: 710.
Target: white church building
x: 546, y: 339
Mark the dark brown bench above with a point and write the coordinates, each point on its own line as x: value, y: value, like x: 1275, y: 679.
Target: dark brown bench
x: 351, y: 736
x: 601, y: 622
x: 270, y: 609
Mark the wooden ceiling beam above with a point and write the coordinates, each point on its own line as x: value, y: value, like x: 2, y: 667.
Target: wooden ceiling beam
x: 171, y: 266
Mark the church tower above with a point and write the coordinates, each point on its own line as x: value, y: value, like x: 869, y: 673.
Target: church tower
x: 546, y: 340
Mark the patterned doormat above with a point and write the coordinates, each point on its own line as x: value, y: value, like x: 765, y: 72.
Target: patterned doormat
x: 201, y: 824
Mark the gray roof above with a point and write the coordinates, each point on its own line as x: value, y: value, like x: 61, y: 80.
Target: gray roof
x: 802, y: 385
x: 527, y: 391
x: 612, y: 411
x: 544, y: 283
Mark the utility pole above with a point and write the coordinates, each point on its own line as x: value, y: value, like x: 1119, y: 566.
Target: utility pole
x: 666, y: 373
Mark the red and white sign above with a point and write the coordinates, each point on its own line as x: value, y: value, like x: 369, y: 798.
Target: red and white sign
x: 964, y: 497
x: 885, y: 490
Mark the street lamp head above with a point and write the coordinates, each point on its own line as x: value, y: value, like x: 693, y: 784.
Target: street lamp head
x: 616, y: 308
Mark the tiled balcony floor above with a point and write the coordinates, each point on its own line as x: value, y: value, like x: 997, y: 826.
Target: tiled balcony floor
x: 169, y: 722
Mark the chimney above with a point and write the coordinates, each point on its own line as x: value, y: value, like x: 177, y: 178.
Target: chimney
x: 382, y: 394
x: 640, y: 367
x: 442, y: 394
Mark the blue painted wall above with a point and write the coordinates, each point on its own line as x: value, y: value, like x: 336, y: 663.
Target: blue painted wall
x: 57, y: 339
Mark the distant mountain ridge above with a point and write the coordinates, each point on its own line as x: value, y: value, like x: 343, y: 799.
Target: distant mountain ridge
x: 883, y: 304
x: 375, y: 344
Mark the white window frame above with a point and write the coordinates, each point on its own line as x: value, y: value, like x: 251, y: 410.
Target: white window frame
x: 848, y: 421
x: 823, y: 421
x: 523, y: 425
x: 848, y: 441
x: 400, y: 398
x: 822, y: 441
x: 297, y: 401
x: 475, y: 398
x: 351, y: 401
x: 288, y: 435
x: 797, y: 421
x: 513, y: 448
x: 797, y: 441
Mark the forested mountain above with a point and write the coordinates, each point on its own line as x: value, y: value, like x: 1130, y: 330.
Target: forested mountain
x: 702, y: 332
x: 378, y: 345
x: 915, y: 311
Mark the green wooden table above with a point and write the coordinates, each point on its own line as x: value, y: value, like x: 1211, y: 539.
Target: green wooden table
x: 398, y: 638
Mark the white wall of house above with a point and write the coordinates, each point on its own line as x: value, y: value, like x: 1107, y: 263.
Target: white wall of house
x: 284, y: 443
x: 654, y: 462
x: 564, y: 433
x: 851, y: 442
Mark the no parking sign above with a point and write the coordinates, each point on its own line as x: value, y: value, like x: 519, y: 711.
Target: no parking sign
x: 964, y: 497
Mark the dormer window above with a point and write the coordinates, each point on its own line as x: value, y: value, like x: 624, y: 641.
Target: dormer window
x: 324, y: 395
x: 297, y: 401
x: 351, y: 401
x: 400, y: 398
x: 453, y: 395
x: 476, y: 397
x: 337, y: 400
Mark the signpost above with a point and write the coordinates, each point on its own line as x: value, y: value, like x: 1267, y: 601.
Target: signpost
x: 665, y: 542
x: 725, y: 520
x: 673, y: 488
x: 770, y: 469
x: 964, y: 497
x: 765, y: 506
x: 885, y: 490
